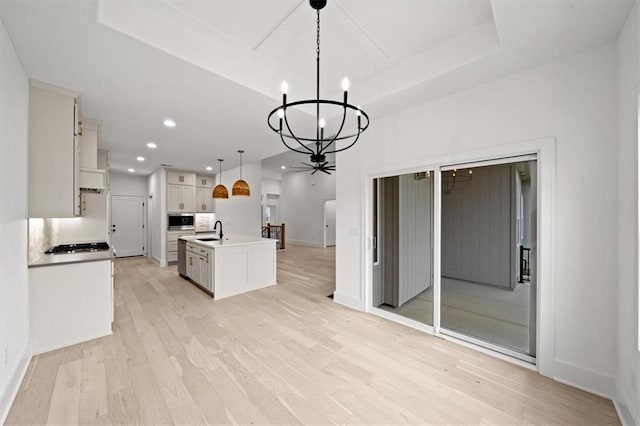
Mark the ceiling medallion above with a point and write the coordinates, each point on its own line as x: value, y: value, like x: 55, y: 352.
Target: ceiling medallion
x: 323, y: 145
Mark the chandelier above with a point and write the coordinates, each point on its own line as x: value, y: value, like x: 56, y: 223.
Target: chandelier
x: 319, y: 146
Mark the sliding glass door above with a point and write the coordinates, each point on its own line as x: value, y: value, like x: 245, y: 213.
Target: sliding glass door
x: 403, y: 245
x: 488, y: 223
x: 486, y: 290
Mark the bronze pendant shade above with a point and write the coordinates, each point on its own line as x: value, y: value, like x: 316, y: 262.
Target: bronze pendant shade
x: 241, y: 187
x: 220, y: 191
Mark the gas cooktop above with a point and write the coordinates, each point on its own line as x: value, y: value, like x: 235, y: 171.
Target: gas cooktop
x: 77, y: 248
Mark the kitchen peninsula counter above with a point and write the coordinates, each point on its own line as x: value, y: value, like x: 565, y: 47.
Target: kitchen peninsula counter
x: 233, y: 265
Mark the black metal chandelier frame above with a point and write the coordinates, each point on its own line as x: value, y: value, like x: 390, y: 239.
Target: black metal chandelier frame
x: 323, y: 145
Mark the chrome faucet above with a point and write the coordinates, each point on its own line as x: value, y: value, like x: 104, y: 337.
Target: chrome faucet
x: 215, y: 227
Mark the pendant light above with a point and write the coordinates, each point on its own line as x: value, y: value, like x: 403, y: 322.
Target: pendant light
x: 241, y: 187
x: 220, y: 191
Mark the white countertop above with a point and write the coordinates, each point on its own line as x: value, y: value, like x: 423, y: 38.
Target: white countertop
x: 228, y: 241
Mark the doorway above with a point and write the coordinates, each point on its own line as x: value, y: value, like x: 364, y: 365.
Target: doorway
x: 127, y: 225
x: 330, y: 223
x: 454, y: 252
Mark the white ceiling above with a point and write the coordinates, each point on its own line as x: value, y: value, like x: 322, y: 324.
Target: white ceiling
x: 215, y: 66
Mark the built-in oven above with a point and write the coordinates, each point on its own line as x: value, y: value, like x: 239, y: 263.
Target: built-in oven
x: 181, y: 221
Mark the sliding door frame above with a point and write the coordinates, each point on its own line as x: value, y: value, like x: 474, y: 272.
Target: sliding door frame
x: 544, y: 150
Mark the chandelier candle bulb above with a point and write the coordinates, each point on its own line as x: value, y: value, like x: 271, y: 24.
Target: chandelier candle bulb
x: 345, y: 84
x: 285, y: 88
x: 345, y: 88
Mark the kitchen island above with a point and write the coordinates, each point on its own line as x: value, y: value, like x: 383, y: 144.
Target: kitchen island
x: 233, y: 265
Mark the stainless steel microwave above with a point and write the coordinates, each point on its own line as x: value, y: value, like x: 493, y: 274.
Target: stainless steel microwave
x: 181, y: 221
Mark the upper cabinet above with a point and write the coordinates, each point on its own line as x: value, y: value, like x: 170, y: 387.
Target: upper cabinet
x: 181, y: 178
x: 204, y: 181
x: 54, y: 151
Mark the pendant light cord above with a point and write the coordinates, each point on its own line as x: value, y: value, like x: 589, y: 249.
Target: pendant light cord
x: 318, y: 143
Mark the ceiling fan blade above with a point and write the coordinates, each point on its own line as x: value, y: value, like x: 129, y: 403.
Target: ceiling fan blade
x: 314, y: 171
x: 324, y: 171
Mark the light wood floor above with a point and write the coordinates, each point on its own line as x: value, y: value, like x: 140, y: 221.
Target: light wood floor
x: 282, y: 355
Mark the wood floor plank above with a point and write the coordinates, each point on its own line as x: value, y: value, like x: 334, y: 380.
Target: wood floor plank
x: 94, y: 399
x: 65, y: 400
x: 281, y: 355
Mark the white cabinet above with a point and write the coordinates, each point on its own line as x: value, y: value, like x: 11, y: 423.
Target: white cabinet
x: 204, y: 200
x: 54, y: 151
x: 181, y: 198
x: 181, y: 178
x: 70, y: 303
x: 204, y: 181
x: 174, y: 198
x: 188, y: 199
x: 199, y: 269
x: 172, y: 243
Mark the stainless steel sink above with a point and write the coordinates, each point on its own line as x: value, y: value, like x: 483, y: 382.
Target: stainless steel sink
x: 208, y: 239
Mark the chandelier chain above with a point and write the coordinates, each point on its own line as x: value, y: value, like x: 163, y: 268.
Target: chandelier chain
x: 318, y: 34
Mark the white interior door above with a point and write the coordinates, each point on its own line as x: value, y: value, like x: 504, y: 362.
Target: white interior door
x: 330, y: 223
x: 127, y: 225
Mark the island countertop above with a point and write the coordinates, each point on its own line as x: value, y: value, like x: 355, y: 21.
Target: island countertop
x: 227, y: 241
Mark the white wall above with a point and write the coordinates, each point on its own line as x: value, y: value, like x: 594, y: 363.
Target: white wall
x: 157, y: 216
x: 128, y: 184
x: 271, y: 186
x: 573, y: 100
x: 242, y: 215
x: 628, y: 360
x: 14, y: 285
x: 302, y: 205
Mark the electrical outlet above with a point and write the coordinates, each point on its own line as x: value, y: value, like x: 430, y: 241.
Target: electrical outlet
x: 5, y: 356
x: 634, y: 380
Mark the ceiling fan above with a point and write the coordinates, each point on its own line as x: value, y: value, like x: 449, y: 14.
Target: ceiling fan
x: 324, y: 167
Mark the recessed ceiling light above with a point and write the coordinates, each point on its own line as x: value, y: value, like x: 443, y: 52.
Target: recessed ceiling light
x: 169, y: 123
x: 141, y: 159
x: 283, y: 167
x: 132, y: 170
x: 209, y: 168
x: 152, y: 145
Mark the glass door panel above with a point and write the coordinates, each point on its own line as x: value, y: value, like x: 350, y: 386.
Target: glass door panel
x: 403, y: 245
x: 488, y: 254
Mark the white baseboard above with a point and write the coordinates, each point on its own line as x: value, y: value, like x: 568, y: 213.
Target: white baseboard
x: 155, y: 260
x: 626, y: 409
x: 348, y: 301
x: 14, y: 382
x: 582, y: 378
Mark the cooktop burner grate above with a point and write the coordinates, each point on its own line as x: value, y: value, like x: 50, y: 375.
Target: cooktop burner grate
x: 77, y: 248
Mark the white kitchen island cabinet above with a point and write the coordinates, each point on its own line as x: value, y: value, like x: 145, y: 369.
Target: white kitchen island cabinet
x: 237, y: 264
